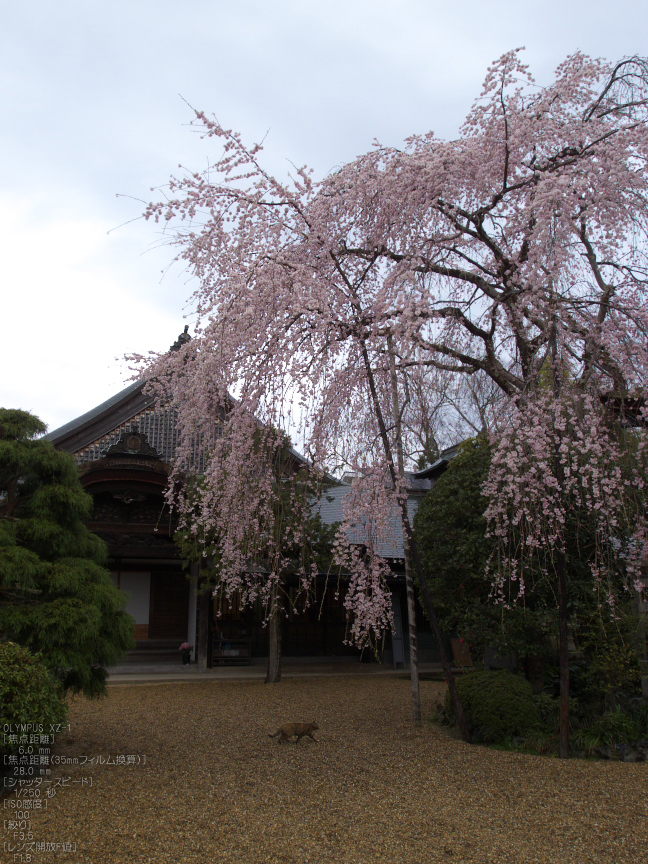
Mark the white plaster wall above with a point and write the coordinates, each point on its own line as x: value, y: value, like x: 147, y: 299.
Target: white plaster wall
x: 138, y: 586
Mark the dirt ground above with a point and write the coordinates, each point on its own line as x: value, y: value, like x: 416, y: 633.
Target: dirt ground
x: 373, y: 789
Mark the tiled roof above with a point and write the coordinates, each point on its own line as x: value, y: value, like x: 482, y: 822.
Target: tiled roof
x: 89, y: 435
x: 433, y: 471
x: 330, y: 506
x: 89, y: 416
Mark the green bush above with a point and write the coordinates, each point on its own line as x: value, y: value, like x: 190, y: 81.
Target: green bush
x: 56, y: 596
x: 612, y: 728
x: 548, y: 708
x: 28, y: 694
x: 496, y: 705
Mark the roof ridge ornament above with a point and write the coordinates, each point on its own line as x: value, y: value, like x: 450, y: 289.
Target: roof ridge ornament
x: 182, y: 339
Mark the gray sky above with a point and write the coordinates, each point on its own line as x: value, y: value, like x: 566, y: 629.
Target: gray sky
x: 91, y: 110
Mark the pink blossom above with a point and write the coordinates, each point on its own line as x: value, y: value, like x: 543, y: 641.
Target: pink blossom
x: 516, y: 252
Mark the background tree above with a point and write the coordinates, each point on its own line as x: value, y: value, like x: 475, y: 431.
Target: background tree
x: 450, y: 529
x: 456, y: 551
x: 457, y: 556
x: 442, y: 408
x: 56, y: 597
x: 520, y: 242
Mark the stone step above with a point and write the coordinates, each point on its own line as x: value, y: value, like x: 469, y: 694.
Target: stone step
x: 157, y: 644
x: 136, y: 657
x: 155, y: 651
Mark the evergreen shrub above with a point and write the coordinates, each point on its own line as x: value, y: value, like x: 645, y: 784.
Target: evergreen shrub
x: 28, y: 694
x: 496, y: 704
x: 56, y: 596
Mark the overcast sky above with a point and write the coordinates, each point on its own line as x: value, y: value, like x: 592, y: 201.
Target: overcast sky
x: 92, y: 118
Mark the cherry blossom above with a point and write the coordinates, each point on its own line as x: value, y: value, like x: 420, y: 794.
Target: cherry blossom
x: 516, y: 251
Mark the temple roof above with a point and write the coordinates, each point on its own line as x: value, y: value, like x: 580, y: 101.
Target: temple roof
x: 432, y: 472
x: 102, y: 420
x: 105, y: 424
x: 92, y: 434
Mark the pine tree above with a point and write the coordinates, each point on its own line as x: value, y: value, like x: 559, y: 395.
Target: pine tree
x: 56, y: 596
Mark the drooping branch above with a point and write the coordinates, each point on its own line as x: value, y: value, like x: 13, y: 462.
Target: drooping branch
x: 474, y: 253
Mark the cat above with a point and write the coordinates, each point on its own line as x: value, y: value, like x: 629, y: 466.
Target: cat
x: 288, y: 730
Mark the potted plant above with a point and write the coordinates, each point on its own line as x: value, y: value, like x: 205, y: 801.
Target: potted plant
x: 186, y: 650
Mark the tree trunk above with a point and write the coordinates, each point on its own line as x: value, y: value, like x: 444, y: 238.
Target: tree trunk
x: 563, y: 623
x: 204, y: 610
x: 535, y: 672
x: 409, y: 582
x: 273, y: 675
x: 428, y: 604
x: 561, y: 568
x: 413, y: 642
x: 408, y: 538
x: 643, y: 645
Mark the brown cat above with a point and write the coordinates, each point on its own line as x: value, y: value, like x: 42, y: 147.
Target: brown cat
x: 287, y: 731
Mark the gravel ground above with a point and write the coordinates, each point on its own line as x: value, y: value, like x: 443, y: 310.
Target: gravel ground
x: 373, y: 788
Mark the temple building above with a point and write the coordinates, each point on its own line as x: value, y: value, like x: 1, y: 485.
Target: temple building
x: 125, y: 448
